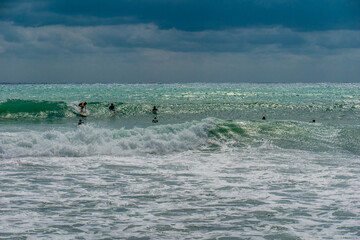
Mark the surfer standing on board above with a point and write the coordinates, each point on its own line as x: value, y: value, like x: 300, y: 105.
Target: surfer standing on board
x: 82, y: 106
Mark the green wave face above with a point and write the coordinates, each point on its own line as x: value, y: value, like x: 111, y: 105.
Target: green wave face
x: 285, y: 135
x: 32, y: 109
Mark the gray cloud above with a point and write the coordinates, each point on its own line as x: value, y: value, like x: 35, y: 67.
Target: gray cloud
x: 70, y: 40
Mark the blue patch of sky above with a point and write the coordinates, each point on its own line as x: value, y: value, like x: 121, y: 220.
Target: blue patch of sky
x: 189, y: 15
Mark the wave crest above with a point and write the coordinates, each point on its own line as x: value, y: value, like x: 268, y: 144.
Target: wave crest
x: 206, y: 135
x: 88, y: 140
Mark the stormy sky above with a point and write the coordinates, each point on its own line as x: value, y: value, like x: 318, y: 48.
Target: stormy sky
x: 167, y: 41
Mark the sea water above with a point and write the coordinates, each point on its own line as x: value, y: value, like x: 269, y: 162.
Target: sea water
x: 211, y: 168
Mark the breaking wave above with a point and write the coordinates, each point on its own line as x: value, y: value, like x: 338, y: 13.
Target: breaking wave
x: 206, y: 135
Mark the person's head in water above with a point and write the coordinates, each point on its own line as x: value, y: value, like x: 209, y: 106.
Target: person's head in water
x: 313, y: 120
x: 263, y: 118
x: 80, y: 122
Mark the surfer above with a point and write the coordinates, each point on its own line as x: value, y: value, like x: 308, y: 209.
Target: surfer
x: 155, y: 120
x: 263, y: 118
x: 80, y: 122
x: 154, y: 110
x: 112, y: 107
x: 82, y: 106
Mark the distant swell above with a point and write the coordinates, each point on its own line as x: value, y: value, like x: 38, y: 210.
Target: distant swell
x: 30, y: 110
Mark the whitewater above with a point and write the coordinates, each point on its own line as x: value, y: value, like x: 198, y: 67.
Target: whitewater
x: 211, y: 168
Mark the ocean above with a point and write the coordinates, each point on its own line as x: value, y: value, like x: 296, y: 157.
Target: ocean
x: 211, y: 168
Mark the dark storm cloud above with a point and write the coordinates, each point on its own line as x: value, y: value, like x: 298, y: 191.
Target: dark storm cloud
x: 188, y: 15
x: 184, y: 26
x: 72, y: 40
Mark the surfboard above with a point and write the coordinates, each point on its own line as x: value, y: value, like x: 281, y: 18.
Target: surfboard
x: 83, y: 114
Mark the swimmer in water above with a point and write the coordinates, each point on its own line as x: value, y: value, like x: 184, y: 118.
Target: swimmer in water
x: 112, y: 107
x: 154, y: 110
x: 155, y: 120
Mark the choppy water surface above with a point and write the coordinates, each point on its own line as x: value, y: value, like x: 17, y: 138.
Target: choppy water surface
x: 210, y: 169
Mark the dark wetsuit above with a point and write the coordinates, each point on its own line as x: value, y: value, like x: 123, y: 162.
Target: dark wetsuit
x: 154, y: 110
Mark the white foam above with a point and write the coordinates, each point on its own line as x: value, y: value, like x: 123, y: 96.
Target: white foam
x: 88, y: 140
